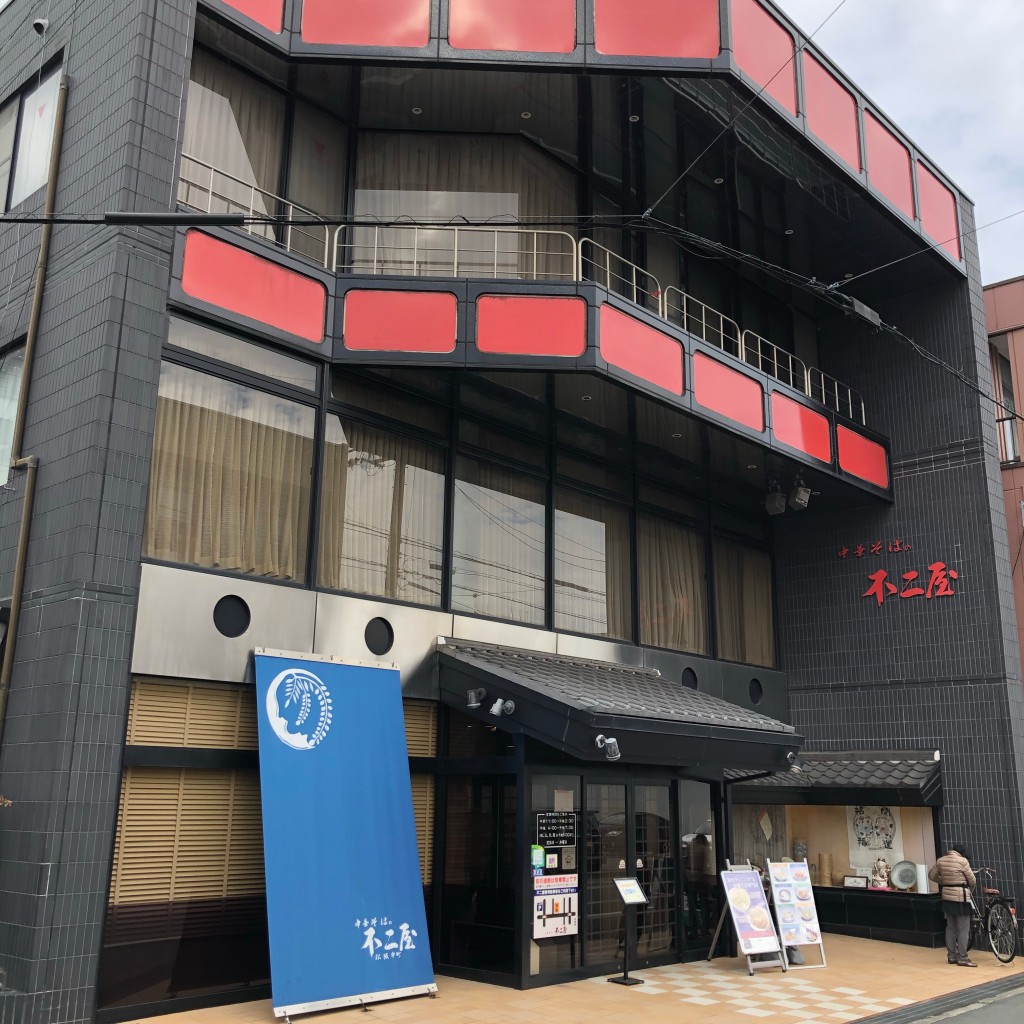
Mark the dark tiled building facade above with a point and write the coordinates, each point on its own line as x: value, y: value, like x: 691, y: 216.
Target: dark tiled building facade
x: 522, y: 340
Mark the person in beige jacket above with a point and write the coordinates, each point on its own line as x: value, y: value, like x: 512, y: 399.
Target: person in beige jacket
x: 953, y: 873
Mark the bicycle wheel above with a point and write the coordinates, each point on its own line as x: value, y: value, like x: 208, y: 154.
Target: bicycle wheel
x: 1001, y: 926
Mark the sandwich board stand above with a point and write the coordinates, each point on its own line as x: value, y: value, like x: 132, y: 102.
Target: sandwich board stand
x: 795, y: 910
x: 631, y: 893
x: 745, y: 901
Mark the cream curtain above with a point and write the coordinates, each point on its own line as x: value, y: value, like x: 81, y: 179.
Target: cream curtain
x: 592, y: 586
x: 382, y: 514
x: 430, y: 177
x: 498, y: 559
x: 673, y: 603
x: 230, y: 477
x: 12, y: 366
x: 743, y: 604
x: 35, y: 138
x: 236, y: 124
x: 8, y: 126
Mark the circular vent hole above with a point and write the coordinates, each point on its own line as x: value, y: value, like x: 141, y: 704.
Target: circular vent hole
x: 231, y: 616
x: 690, y: 678
x: 756, y: 691
x: 379, y: 636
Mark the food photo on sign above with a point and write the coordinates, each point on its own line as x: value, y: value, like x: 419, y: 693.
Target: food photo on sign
x: 750, y: 914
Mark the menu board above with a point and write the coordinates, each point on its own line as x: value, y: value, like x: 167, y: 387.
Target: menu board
x: 794, y: 903
x: 749, y: 910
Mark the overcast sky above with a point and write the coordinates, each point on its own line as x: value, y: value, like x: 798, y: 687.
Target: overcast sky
x: 950, y: 73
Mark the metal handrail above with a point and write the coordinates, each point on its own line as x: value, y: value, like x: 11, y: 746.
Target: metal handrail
x: 774, y: 361
x: 702, y: 320
x: 835, y: 395
x: 235, y: 195
x: 456, y: 251
x: 636, y: 281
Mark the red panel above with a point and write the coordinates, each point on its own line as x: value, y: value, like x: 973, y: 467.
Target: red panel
x: 528, y: 326
x: 641, y: 350
x: 366, y: 22
x: 544, y: 26
x: 831, y: 111
x: 888, y: 165
x: 384, y: 321
x: 727, y: 392
x: 268, y: 13
x: 938, y: 211
x: 861, y: 457
x: 801, y: 428
x: 233, y: 279
x: 657, y: 28
x: 761, y: 47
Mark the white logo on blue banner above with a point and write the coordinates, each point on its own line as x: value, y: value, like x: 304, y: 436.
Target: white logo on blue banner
x: 350, y: 926
x: 301, y: 690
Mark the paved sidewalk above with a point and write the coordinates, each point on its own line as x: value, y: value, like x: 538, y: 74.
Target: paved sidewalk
x: 863, y: 978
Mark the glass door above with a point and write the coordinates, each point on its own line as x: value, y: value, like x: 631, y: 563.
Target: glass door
x: 630, y: 830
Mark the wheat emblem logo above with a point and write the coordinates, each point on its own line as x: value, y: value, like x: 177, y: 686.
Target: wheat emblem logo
x: 302, y: 719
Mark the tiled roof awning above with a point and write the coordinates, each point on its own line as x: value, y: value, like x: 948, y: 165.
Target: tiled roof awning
x: 566, y: 703
x: 913, y: 778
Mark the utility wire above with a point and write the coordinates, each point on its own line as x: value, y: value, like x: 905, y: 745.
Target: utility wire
x: 928, y: 248
x: 742, y: 111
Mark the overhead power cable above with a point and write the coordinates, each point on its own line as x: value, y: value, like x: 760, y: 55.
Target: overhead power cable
x: 789, y: 60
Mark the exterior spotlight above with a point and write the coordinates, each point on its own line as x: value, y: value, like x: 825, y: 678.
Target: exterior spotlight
x: 796, y: 762
x: 502, y: 707
x: 473, y: 697
x: 610, y: 746
x: 775, y: 503
x: 40, y: 25
x: 800, y: 496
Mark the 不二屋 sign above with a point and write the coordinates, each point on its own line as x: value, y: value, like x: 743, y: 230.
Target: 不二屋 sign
x: 939, y: 584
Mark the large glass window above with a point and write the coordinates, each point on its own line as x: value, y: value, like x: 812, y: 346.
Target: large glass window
x: 382, y: 514
x: 592, y: 588
x: 743, y: 603
x: 25, y: 163
x: 230, y: 477
x: 498, y: 558
x: 673, y: 592
x: 12, y: 365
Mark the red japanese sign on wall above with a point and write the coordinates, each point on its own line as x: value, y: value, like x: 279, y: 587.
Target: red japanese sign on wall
x: 940, y: 584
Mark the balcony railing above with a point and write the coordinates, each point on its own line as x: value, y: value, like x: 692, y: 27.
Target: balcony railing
x: 516, y: 253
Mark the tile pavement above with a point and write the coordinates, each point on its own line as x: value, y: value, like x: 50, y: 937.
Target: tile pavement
x: 862, y: 978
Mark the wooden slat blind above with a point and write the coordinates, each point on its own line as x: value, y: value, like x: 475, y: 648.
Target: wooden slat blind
x: 423, y: 812
x: 420, y: 727
x: 172, y: 713
x: 187, y: 834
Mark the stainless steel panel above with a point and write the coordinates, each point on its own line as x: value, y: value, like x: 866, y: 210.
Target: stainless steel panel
x: 672, y: 664
x: 175, y: 635
x: 505, y: 633
x: 341, y: 627
x: 598, y: 650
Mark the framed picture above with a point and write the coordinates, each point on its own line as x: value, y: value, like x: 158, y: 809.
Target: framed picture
x: 856, y: 881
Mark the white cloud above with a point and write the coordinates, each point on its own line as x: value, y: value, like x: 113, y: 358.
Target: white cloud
x: 948, y: 72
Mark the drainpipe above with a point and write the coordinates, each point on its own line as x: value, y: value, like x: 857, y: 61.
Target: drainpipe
x: 30, y: 463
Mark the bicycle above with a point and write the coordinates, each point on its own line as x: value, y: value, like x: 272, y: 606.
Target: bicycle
x: 997, y: 917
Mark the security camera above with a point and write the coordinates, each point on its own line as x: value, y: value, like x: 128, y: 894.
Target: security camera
x: 40, y: 25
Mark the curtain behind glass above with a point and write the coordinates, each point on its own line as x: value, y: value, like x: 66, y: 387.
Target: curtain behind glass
x: 382, y: 514
x: 12, y: 365
x: 35, y: 138
x: 236, y: 124
x: 229, y: 486
x: 316, y: 175
x: 673, y: 602
x: 8, y: 122
x: 430, y: 177
x: 592, y: 588
x: 498, y: 557
x: 743, y: 604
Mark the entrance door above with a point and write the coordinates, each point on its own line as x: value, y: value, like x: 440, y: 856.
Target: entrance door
x: 630, y: 833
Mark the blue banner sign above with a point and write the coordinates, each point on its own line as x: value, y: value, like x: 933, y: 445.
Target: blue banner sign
x: 344, y: 892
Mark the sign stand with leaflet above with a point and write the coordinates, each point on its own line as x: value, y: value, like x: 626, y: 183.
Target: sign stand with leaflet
x: 632, y: 894
x: 795, y: 910
x: 752, y: 920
